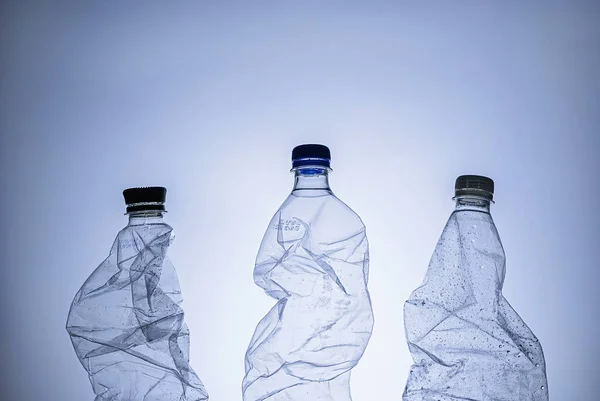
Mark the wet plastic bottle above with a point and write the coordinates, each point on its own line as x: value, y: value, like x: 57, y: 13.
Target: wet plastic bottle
x: 127, y: 323
x: 466, y: 340
x: 314, y: 260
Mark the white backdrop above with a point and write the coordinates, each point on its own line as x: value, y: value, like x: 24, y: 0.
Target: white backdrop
x: 209, y: 101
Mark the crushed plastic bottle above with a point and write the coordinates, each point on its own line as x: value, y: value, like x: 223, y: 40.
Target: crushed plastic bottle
x: 314, y: 260
x: 127, y: 323
x: 466, y: 340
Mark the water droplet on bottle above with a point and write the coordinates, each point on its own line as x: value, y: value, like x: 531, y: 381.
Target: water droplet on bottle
x: 537, y: 365
x: 500, y: 346
x: 543, y: 387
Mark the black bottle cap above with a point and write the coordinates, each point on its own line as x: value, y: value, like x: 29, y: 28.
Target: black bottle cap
x: 477, y: 185
x: 311, y: 155
x: 145, y: 198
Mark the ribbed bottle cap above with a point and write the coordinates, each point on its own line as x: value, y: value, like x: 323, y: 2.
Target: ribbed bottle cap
x: 474, y: 185
x: 145, y: 198
x: 311, y: 155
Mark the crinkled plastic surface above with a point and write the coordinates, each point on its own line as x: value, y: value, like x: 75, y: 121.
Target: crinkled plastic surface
x: 314, y: 260
x: 466, y: 340
x: 127, y: 324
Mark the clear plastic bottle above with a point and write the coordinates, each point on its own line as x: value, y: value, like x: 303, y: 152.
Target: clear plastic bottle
x: 127, y: 323
x: 314, y: 260
x: 466, y: 340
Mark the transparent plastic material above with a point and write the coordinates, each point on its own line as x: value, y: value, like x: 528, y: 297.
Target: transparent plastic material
x: 466, y: 340
x: 127, y: 322
x: 314, y: 260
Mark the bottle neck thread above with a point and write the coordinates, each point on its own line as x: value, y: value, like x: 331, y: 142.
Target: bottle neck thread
x: 145, y: 217
x: 311, y: 178
x: 472, y: 203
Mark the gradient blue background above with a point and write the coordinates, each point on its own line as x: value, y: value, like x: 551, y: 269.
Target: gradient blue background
x: 208, y: 99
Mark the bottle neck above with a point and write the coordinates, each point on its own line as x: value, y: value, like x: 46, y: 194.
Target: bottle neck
x: 472, y: 203
x: 145, y: 217
x: 311, y: 178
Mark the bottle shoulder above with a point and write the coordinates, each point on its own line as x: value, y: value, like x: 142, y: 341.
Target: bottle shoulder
x: 314, y: 221
x: 469, y: 240
x: 327, y: 207
x: 142, y: 235
x: 153, y: 229
x: 472, y: 220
